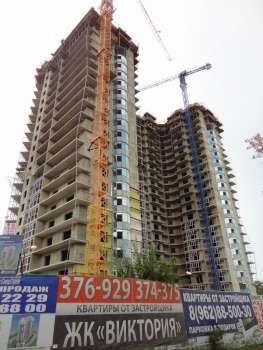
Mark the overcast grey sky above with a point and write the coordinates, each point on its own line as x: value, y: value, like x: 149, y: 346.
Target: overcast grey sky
x: 226, y: 33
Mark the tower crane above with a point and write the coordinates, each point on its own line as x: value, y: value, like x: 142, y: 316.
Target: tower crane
x: 155, y: 31
x: 196, y: 163
x: 98, y: 236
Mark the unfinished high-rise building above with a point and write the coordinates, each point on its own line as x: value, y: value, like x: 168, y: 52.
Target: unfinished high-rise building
x: 55, y: 181
x: 95, y: 182
x: 171, y: 206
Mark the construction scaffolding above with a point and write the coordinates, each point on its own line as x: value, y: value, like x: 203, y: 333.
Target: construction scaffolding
x: 10, y: 226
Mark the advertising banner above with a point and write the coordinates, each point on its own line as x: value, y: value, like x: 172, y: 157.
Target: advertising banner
x: 106, y: 313
x: 10, y: 249
x: 257, y: 302
x: 27, y: 307
x: 206, y: 310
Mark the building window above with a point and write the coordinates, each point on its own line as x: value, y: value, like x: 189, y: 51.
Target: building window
x: 119, y: 186
x: 67, y: 234
x: 49, y: 241
x: 64, y: 255
x: 199, y: 279
x: 70, y: 198
x: 119, y: 217
x: 47, y: 260
x: 119, y: 253
x: 119, y: 172
x: 119, y: 234
x: 68, y: 216
x: 51, y: 223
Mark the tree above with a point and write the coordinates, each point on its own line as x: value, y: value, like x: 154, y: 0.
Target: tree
x: 256, y: 143
x: 148, y: 266
x: 259, y: 287
x: 215, y: 339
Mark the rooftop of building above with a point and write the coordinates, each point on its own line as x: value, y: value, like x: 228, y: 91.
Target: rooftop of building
x: 90, y: 18
x: 179, y: 112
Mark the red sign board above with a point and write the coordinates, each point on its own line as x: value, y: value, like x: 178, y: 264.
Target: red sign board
x: 112, y: 312
x: 85, y: 289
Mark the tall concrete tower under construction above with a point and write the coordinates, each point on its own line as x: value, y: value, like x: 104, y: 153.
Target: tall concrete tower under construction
x: 171, y: 206
x: 55, y: 181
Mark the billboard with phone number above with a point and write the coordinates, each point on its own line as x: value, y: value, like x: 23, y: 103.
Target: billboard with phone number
x: 102, y: 313
x: 27, y: 307
x: 206, y: 310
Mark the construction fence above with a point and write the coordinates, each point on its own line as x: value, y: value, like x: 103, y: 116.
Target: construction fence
x: 83, y: 312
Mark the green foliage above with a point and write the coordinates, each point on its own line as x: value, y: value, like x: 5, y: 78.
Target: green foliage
x: 148, y: 266
x: 259, y: 287
x: 215, y: 339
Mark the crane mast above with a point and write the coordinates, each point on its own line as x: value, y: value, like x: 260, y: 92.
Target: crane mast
x: 98, y: 240
x: 198, y: 174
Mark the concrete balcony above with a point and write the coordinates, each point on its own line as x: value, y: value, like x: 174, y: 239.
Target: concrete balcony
x: 31, y: 127
x: 59, y: 246
x: 41, y: 159
x: 49, y: 107
x: 53, y: 83
x: 70, y: 93
x: 29, y: 135
x: 77, y: 81
x: 65, y: 164
x: 44, y: 136
x: 44, y: 231
x: 14, y: 208
x: 81, y: 169
x: 82, y: 199
x: 27, y: 145
x: 58, y: 265
x: 66, y: 139
x: 63, y: 153
x: 70, y: 104
x: 66, y: 80
x: 51, y: 97
x: 42, y: 148
x: 46, y: 126
x: 82, y: 120
x: 65, y: 192
x: 75, y: 59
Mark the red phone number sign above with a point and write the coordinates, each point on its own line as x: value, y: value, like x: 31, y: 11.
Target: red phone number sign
x: 84, y: 289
